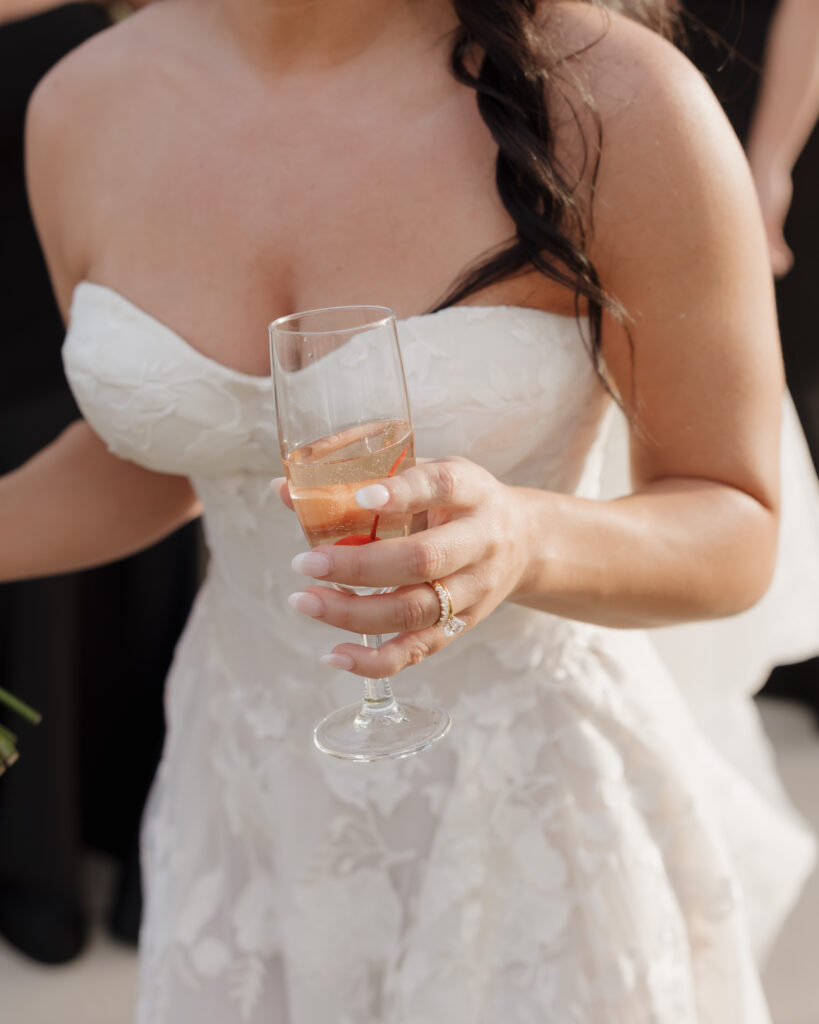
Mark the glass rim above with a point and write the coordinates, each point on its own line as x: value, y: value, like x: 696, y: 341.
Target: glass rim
x: 280, y: 324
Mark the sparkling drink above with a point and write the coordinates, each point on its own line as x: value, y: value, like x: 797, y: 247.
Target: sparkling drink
x: 325, y: 474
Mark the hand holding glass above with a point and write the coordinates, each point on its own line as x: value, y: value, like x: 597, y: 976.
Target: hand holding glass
x: 344, y: 421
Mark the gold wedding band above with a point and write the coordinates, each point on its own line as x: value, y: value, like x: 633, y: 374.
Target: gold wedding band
x: 452, y: 625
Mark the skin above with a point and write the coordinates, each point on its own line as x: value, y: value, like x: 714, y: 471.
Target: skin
x: 786, y: 111
x: 273, y: 117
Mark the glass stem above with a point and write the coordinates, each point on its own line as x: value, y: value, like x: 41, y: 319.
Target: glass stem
x: 378, y: 697
x: 376, y: 691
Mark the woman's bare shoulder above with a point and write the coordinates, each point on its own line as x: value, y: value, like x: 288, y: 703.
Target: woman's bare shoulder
x: 93, y: 79
x: 643, y: 89
x: 91, y: 110
x: 619, y: 56
x: 668, y: 154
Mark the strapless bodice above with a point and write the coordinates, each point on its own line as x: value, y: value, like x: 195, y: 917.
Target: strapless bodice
x: 510, y: 388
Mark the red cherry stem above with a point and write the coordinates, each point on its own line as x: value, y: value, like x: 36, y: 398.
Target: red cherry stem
x: 395, y: 466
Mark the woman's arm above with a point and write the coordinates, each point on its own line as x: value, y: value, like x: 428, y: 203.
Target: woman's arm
x: 786, y: 110
x: 679, y: 242
x: 75, y: 505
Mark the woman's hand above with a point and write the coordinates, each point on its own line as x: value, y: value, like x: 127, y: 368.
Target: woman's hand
x: 474, y: 543
x: 775, y: 189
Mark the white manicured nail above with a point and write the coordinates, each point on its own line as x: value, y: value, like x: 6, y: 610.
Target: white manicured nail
x: 337, y: 661
x: 312, y: 563
x: 374, y: 496
x: 307, y: 604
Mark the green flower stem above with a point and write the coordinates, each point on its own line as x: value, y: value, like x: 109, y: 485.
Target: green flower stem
x: 7, y: 735
x: 16, y: 705
x: 8, y: 748
x: 8, y: 741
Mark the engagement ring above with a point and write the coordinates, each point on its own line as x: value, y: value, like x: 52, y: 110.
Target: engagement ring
x: 452, y: 625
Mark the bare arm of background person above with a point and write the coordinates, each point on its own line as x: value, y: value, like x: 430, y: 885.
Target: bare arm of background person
x: 786, y: 111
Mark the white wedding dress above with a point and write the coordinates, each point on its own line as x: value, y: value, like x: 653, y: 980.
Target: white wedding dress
x: 576, y: 851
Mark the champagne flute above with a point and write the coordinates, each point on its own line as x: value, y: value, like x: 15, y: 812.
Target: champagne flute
x: 344, y: 420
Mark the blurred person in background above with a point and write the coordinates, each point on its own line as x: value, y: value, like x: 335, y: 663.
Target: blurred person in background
x: 577, y: 849
x: 761, y: 57
x: 90, y: 651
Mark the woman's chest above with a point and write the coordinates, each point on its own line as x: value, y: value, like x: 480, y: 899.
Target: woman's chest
x: 245, y: 221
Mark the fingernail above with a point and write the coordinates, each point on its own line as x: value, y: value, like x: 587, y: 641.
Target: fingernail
x: 311, y: 563
x: 277, y: 481
x: 307, y: 604
x: 374, y: 496
x: 337, y: 661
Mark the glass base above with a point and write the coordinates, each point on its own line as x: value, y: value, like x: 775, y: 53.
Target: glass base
x: 363, y: 733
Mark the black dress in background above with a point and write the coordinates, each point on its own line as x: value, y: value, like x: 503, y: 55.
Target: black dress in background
x: 743, y: 25
x: 89, y: 650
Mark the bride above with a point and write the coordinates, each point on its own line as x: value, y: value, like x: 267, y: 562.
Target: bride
x: 587, y: 229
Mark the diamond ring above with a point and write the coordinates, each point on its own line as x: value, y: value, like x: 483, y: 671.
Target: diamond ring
x: 450, y: 622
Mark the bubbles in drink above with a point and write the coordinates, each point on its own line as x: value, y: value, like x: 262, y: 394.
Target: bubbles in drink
x: 325, y: 474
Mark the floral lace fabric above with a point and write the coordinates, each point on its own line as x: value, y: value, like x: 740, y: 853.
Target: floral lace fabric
x: 561, y: 856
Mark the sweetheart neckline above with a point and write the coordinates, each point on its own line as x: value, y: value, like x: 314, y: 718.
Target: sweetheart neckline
x: 260, y: 380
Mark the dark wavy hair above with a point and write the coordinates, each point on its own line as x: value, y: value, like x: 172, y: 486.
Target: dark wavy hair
x: 497, y: 52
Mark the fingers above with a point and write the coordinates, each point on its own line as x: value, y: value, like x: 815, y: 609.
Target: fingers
x: 407, y: 610
x: 452, y: 482
x: 433, y: 554
x: 443, y: 483
x: 467, y: 511
x: 384, y: 613
x: 393, y: 656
